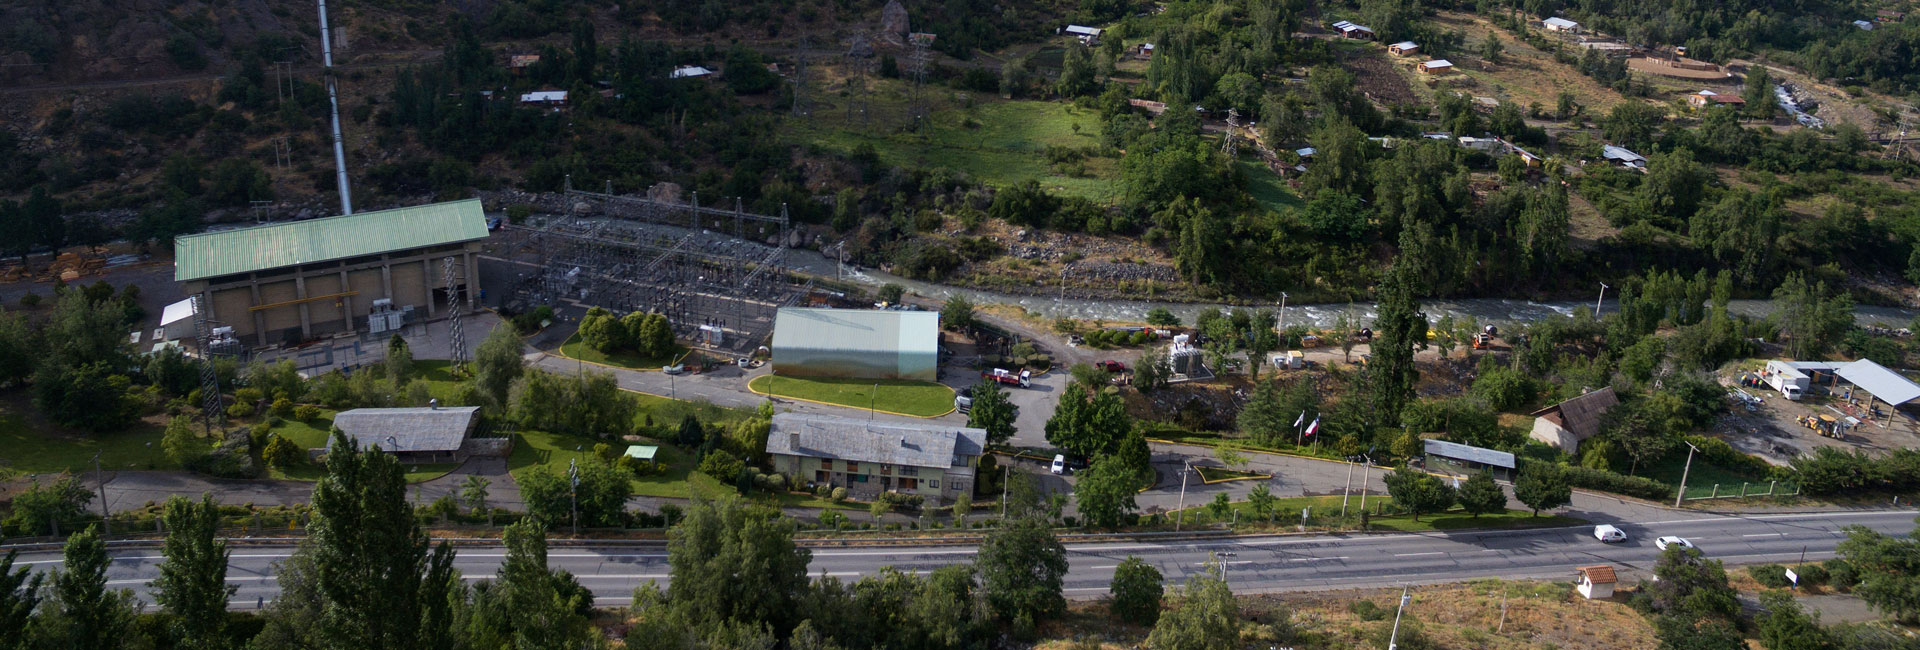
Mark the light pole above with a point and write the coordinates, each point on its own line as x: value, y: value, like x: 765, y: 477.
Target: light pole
x: 1393, y: 639
x: 1180, y: 511
x: 1597, y: 301
x: 1682, y: 492
x: 1063, y: 282
x: 573, y: 493
x: 1347, y: 492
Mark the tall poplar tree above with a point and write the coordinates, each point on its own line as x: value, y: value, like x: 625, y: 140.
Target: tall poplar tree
x: 193, y: 579
x: 19, y: 594
x: 369, y: 555
x: 1400, y: 329
x: 80, y: 611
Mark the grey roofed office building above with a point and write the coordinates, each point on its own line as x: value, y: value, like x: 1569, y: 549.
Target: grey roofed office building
x: 416, y: 434
x: 867, y: 456
x: 856, y: 343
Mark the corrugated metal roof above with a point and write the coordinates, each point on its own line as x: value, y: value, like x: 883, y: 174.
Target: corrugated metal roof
x: 1560, y: 22
x: 866, y: 441
x: 1469, y: 453
x: 1405, y: 45
x: 176, y: 312
x: 857, y: 330
x: 423, y: 428
x: 317, y: 240
x: 1884, y: 384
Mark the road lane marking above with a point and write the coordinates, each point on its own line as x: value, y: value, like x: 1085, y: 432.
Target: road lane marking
x: 1765, y: 535
x: 1418, y: 554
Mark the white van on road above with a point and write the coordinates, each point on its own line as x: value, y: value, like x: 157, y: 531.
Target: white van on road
x: 1609, y: 534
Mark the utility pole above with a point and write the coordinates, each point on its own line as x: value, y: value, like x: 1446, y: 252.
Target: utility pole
x: 873, y: 402
x: 1366, y: 473
x: 1280, y: 321
x: 1682, y: 492
x: 1347, y: 492
x: 1180, y: 511
x: 1393, y: 639
x: 1597, y: 301
x: 105, y: 528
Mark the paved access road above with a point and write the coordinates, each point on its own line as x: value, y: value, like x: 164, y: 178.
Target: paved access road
x: 1254, y: 564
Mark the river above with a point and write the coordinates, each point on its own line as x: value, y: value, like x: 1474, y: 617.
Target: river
x: 1493, y: 311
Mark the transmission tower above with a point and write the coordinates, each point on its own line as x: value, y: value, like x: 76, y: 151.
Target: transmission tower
x: 211, y: 409
x: 456, y: 337
x: 1233, y: 124
x: 917, y: 63
x: 800, y: 108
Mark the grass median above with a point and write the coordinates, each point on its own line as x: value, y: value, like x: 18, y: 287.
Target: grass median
x: 1326, y: 515
x: 903, y: 396
x: 575, y: 348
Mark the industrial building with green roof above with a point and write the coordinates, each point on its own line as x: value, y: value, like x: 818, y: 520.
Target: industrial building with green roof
x: 863, y: 343
x: 368, y: 272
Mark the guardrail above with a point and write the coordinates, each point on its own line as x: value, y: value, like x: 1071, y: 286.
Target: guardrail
x: 568, y: 542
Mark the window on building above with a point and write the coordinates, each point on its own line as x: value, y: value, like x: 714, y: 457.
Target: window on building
x: 826, y: 463
x: 909, y: 471
x: 852, y: 467
x: 909, y: 484
x: 886, y: 469
x: 857, y: 478
x: 935, y: 484
x: 819, y: 477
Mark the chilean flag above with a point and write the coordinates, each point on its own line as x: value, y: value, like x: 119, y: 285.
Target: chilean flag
x: 1311, y: 428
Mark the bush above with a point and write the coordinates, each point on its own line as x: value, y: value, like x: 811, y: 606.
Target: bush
x: 248, y: 395
x: 1812, y: 574
x: 1840, y: 573
x: 1770, y: 575
x: 1367, y: 610
x: 839, y: 494
x: 240, y: 410
x: 1719, y: 453
x: 282, y: 453
x: 306, y: 412
x: 281, y: 408
x: 722, y: 465
x: 272, y: 421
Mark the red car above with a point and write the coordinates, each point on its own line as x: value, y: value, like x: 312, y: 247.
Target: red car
x: 1111, y: 366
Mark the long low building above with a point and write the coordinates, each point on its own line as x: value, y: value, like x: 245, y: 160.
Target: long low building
x: 930, y: 459
x: 366, y: 272
x: 856, y: 343
x: 428, y: 434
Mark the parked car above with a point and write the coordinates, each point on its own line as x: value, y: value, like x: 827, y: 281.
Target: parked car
x: 1663, y: 542
x: 963, y: 399
x: 674, y: 369
x: 1111, y: 366
x: 1609, y: 534
x: 1059, y: 464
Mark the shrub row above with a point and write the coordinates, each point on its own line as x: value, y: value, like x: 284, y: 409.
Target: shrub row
x: 1605, y: 481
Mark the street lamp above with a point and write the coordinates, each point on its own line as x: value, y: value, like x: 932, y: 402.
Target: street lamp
x: 1180, y: 511
x: 1597, y: 301
x: 1682, y: 492
x: 1393, y: 638
x: 1280, y: 322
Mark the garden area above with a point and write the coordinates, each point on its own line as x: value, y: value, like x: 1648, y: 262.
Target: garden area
x: 574, y: 348
x: 637, y: 341
x: 902, y: 396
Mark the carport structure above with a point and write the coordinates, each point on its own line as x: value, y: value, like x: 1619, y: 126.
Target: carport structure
x: 1881, y: 384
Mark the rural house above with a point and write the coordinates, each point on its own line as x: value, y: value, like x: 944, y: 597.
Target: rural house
x: 427, y: 434
x: 1558, y: 24
x: 1403, y: 48
x: 1436, y: 66
x: 1565, y: 425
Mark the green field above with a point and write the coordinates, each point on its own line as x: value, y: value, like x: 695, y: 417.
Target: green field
x: 575, y: 348
x: 26, y: 449
x: 908, y: 397
x: 1288, y: 512
x: 997, y: 142
x: 1702, y: 477
x: 1272, y: 192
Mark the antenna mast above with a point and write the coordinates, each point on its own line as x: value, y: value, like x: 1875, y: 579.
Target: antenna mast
x: 333, y: 98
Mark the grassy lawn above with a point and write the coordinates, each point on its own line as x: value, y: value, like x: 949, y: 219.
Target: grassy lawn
x: 921, y: 398
x: 539, y: 450
x: 994, y: 141
x: 1702, y: 477
x: 575, y: 348
x: 29, y: 449
x: 310, y: 434
x: 1268, y: 189
x: 1221, y: 474
x: 1328, y: 508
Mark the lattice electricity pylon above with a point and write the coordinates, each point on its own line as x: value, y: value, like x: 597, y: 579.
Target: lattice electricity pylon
x: 918, y: 67
x: 211, y: 408
x: 1233, y: 123
x: 455, y: 336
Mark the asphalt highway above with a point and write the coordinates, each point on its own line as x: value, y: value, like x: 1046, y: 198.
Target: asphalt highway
x: 1253, y: 564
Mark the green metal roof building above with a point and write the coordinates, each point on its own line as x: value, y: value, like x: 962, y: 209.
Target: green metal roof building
x: 366, y: 272
x: 864, y: 343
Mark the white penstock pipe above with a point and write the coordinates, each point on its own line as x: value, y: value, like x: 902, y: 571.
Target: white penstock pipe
x: 333, y: 98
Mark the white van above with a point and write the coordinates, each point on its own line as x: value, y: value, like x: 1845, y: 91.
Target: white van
x: 1609, y: 534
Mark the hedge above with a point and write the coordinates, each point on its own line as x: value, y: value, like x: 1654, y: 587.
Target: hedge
x: 1604, y: 481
